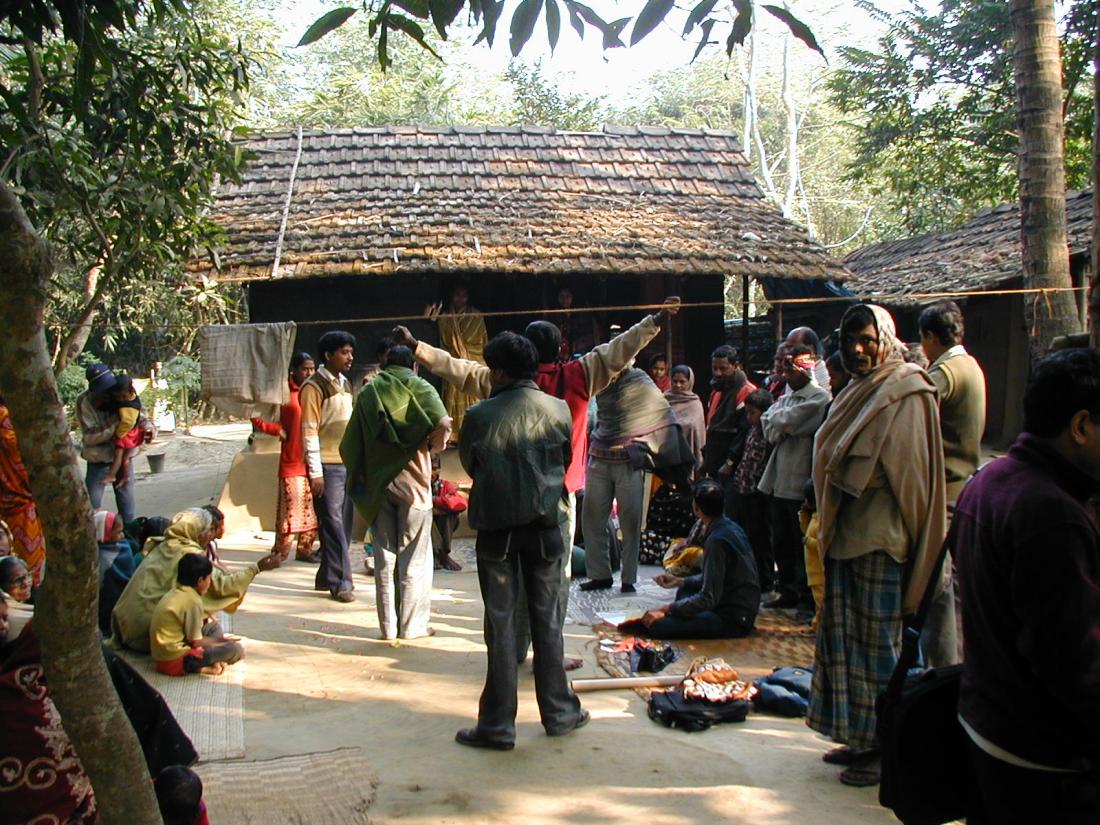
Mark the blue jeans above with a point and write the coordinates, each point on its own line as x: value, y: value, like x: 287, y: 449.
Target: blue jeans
x: 334, y: 516
x: 705, y: 625
x: 124, y: 496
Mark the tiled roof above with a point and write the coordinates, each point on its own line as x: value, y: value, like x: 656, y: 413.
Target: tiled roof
x: 983, y: 254
x: 509, y: 199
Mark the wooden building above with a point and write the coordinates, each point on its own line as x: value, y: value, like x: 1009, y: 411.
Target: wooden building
x: 981, y: 256
x: 332, y: 229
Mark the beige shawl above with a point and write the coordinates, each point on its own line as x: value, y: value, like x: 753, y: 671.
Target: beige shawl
x: 887, y: 418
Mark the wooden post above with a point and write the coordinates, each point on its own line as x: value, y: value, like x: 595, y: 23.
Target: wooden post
x: 779, y: 324
x: 746, y: 285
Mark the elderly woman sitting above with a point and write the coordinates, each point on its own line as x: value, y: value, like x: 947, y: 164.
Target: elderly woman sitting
x: 189, y: 532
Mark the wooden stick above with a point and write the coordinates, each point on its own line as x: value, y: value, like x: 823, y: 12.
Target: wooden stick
x: 625, y: 683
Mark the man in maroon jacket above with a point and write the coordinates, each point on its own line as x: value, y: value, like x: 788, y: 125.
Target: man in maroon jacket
x: 1028, y: 559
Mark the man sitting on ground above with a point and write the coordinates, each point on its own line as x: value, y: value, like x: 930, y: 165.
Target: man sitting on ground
x: 721, y: 602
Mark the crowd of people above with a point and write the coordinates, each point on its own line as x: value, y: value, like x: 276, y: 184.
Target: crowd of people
x: 824, y: 488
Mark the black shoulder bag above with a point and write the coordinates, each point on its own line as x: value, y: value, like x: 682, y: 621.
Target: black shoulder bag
x: 926, y: 771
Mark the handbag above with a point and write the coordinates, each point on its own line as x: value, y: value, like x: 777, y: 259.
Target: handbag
x: 926, y: 772
x: 449, y: 499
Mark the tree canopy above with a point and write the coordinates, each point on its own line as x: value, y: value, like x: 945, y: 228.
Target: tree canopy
x: 934, y: 107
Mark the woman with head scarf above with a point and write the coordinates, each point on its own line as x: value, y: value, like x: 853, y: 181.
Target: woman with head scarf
x: 879, y: 482
x: 688, y: 409
x: 189, y: 532
x: 109, y: 537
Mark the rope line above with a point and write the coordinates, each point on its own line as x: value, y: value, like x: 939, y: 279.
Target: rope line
x: 1038, y: 292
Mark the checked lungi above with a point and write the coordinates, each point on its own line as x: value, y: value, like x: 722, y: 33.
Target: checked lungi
x: 858, y: 644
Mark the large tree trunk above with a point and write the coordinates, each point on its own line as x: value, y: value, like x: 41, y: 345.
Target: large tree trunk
x: 1038, y: 73
x: 65, y: 613
x: 1094, y: 281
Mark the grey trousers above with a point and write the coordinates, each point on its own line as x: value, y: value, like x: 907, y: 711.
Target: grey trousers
x: 335, y: 513
x: 612, y: 481
x: 529, y: 559
x: 402, y: 569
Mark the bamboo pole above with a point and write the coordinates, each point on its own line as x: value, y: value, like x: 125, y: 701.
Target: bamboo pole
x: 625, y: 683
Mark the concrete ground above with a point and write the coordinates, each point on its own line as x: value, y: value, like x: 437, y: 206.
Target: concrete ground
x: 319, y: 677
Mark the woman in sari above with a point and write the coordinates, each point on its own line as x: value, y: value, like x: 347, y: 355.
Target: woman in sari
x: 17, y: 502
x: 688, y: 409
x: 462, y: 333
x: 189, y: 532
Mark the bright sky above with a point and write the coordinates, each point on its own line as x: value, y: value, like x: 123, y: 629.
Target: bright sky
x: 617, y: 73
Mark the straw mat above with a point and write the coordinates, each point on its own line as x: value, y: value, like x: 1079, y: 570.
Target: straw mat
x: 210, y: 709
x: 332, y: 788
x: 777, y: 641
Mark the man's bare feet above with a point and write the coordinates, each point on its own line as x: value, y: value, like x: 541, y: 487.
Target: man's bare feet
x: 216, y: 669
x: 447, y: 562
x: 572, y: 663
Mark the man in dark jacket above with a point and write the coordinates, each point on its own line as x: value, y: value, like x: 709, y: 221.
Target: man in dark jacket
x: 1028, y: 559
x: 727, y: 425
x: 721, y: 602
x: 516, y: 446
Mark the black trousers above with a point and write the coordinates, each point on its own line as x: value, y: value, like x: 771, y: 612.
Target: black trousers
x: 531, y: 558
x: 756, y: 523
x: 787, y: 546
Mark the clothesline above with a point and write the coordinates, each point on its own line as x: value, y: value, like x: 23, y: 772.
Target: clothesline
x: 778, y: 302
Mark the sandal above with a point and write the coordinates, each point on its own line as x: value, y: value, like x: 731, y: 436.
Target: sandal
x: 860, y: 777
x: 839, y: 756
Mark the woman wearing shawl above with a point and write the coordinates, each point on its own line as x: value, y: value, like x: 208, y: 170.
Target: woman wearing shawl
x: 636, y: 431
x: 688, y: 409
x: 398, y: 420
x: 189, y: 532
x: 879, y: 482
x: 17, y: 502
x: 109, y: 537
x: 462, y: 333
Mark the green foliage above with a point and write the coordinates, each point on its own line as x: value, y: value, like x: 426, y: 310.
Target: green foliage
x: 539, y: 102
x: 935, y: 107
x: 486, y: 14
x: 71, y: 382
x: 120, y: 176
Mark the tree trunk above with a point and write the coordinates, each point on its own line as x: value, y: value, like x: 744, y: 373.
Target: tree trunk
x: 65, y: 613
x: 1094, y: 281
x: 76, y: 338
x: 1038, y: 74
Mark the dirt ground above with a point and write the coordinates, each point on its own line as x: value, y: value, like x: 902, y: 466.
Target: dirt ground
x: 319, y: 677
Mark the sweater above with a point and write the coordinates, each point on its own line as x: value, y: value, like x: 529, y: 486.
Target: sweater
x: 960, y: 384
x: 1028, y: 560
x: 326, y: 407
x: 729, y: 584
x: 292, y: 460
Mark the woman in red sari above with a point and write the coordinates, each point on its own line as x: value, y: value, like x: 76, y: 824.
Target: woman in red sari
x: 296, y: 521
x: 17, y: 502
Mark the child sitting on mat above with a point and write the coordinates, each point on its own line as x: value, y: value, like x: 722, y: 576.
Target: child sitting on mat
x: 182, y: 639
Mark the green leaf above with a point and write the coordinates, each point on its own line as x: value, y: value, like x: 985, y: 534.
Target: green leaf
x: 491, y: 10
x: 575, y: 18
x: 417, y: 8
x: 523, y: 24
x: 705, y: 39
x: 698, y: 14
x: 409, y: 27
x: 383, y: 48
x: 325, y: 23
x: 742, y: 25
x: 798, y: 28
x: 611, y: 32
x: 553, y: 23
x: 444, y: 13
x: 651, y: 16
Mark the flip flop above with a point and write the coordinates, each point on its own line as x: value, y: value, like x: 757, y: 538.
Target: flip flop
x: 860, y: 777
x: 839, y: 756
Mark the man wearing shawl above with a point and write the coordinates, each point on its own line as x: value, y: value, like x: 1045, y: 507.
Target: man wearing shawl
x: 189, y: 532
x: 398, y: 420
x: 636, y: 431
x: 880, y: 486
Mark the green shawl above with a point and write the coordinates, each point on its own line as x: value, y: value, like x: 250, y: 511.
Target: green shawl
x: 393, y: 417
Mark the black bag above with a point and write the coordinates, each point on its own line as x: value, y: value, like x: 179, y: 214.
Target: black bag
x: 651, y: 657
x: 672, y: 710
x: 926, y: 772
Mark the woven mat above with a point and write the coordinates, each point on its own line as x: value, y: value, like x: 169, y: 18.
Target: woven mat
x: 778, y: 641
x: 210, y: 709
x: 333, y: 788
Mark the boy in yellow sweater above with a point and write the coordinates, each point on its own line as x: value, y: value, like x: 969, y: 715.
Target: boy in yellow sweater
x: 182, y: 639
